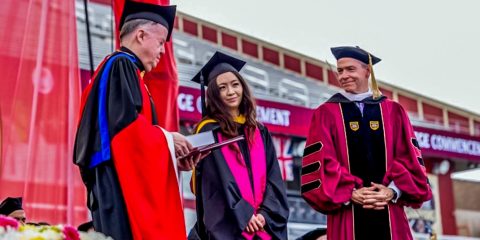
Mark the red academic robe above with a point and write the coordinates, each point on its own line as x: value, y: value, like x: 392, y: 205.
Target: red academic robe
x: 347, y: 150
x: 124, y: 157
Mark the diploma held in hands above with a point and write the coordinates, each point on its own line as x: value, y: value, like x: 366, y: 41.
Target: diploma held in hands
x: 204, y: 142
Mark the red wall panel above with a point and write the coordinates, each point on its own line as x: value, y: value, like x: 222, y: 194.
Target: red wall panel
x: 271, y: 56
x: 229, y: 41
x: 332, y: 78
x: 387, y: 93
x: 209, y: 34
x: 409, y: 104
x: 190, y: 27
x: 458, y: 123
x: 432, y: 113
x: 292, y: 63
x: 250, y: 48
x: 175, y: 23
x: 314, y: 71
x: 476, y: 128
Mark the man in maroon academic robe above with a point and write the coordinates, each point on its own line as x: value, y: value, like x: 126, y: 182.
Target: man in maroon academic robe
x: 362, y: 163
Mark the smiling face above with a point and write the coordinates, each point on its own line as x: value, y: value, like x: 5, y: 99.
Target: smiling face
x: 151, y: 39
x: 231, y: 91
x: 353, y: 75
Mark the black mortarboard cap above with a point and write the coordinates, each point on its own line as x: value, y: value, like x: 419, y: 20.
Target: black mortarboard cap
x: 362, y: 56
x: 355, y: 53
x: 84, y: 227
x: 10, y: 205
x: 219, y: 63
x: 164, y: 15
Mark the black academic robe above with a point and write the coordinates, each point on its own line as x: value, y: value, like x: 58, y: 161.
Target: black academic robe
x: 221, y: 211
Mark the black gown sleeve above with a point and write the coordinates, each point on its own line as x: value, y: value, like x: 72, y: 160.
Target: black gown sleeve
x: 125, y: 97
x: 123, y: 102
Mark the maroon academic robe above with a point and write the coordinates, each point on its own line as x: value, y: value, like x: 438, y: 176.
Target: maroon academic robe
x: 346, y: 149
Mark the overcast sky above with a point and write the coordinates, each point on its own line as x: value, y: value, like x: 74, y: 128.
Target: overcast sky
x: 431, y: 47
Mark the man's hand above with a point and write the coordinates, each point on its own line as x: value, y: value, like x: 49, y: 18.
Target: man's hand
x: 359, y: 195
x: 378, y: 198
x: 182, y: 148
x: 181, y: 145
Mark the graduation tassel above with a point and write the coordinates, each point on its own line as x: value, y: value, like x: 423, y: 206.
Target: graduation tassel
x: 376, y: 92
x: 202, y: 92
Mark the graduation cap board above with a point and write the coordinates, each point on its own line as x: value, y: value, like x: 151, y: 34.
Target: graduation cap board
x: 362, y: 56
x: 355, y: 53
x: 219, y: 63
x: 10, y: 205
x: 164, y: 15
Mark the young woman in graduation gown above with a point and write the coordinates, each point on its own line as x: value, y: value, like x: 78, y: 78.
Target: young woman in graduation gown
x: 239, y: 190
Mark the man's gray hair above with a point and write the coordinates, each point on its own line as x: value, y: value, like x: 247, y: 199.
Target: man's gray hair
x: 132, y: 25
x: 364, y: 65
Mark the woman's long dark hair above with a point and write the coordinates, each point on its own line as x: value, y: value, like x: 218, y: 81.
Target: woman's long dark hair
x: 218, y: 111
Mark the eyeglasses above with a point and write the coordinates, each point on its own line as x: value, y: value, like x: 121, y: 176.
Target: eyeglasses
x: 23, y: 219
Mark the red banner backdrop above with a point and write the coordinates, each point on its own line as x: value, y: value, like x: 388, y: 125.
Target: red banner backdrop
x: 162, y: 82
x: 39, y: 96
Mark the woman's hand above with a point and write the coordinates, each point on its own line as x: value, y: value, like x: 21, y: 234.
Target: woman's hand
x: 256, y: 223
x: 261, y: 220
x: 187, y: 164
